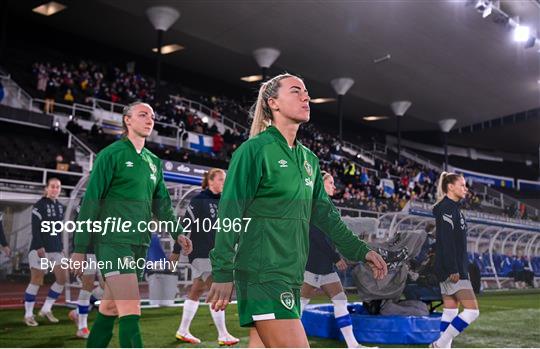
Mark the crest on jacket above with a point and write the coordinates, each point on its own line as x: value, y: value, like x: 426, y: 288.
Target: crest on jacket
x: 309, y: 169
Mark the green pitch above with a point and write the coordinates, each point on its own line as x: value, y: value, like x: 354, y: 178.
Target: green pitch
x: 507, y: 319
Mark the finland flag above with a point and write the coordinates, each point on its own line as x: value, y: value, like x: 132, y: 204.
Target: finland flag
x: 200, y: 142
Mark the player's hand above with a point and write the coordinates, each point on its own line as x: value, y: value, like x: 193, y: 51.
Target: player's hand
x: 173, y: 257
x: 454, y: 277
x: 185, y: 243
x: 6, y: 250
x: 76, y: 261
x: 377, y: 265
x: 341, y: 265
x: 219, y: 295
x: 41, y: 252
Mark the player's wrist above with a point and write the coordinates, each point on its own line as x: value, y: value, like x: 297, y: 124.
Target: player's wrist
x: 222, y: 276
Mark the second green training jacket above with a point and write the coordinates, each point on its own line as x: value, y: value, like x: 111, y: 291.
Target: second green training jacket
x: 124, y: 185
x: 282, y: 191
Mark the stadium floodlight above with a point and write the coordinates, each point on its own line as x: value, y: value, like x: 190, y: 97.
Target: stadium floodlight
x: 265, y: 57
x: 341, y: 86
x: 521, y: 33
x: 484, y: 7
x: 399, y: 108
x: 487, y: 11
x: 251, y: 78
x: 446, y: 125
x: 162, y: 18
x: 165, y: 50
x: 49, y: 8
x: 375, y: 117
x: 321, y: 100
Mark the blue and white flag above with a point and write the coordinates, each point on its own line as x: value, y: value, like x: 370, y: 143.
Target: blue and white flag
x: 200, y: 143
x: 388, y: 187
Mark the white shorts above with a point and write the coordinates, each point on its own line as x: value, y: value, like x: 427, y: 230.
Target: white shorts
x: 317, y: 280
x: 36, y: 262
x: 449, y: 288
x: 91, y: 259
x: 201, y: 268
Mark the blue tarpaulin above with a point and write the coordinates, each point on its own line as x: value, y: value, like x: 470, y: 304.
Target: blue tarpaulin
x: 319, y: 321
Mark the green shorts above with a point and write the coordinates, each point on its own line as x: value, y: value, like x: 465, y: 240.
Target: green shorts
x: 115, y: 259
x: 266, y: 301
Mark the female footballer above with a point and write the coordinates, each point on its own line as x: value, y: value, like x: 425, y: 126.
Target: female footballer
x: 126, y: 183
x: 451, y: 261
x: 273, y: 191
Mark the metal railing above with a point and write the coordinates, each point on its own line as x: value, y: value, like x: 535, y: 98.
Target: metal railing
x: 107, y: 105
x: 72, y: 139
x: 22, y: 96
x: 502, y: 200
x: 354, y: 212
x: 188, y: 103
x: 80, y: 111
x: 193, y: 105
x: 178, y: 133
x: 44, y: 172
x: 379, y: 147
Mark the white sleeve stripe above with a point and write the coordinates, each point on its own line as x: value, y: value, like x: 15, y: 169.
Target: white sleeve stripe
x: 449, y: 220
x: 36, y: 213
x: 190, y: 213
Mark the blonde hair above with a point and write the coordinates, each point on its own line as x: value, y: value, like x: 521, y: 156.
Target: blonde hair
x: 210, y: 176
x: 325, y: 175
x: 260, y: 111
x: 442, y: 186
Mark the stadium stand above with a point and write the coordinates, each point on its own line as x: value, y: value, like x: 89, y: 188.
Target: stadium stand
x: 359, y: 182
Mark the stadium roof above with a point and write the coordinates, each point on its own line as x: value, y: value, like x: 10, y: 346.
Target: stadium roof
x: 445, y: 58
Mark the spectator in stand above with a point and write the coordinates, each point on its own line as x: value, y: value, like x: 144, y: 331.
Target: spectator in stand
x: 73, y: 126
x: 217, y: 147
x: 50, y: 95
x: 68, y: 97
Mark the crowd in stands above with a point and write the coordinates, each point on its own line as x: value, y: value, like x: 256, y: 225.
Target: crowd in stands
x: 360, y: 185
x: 516, y: 210
x: 69, y: 82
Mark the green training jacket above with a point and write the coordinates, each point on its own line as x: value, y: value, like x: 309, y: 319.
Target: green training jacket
x: 128, y: 185
x: 282, y: 191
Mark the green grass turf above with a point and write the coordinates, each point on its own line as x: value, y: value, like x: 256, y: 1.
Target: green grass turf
x: 507, y: 319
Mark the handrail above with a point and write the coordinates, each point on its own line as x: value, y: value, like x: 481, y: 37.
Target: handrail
x: 117, y: 108
x: 23, y: 96
x: 418, y: 158
x: 507, y: 198
x: 75, y: 109
x: 44, y: 171
x: 33, y: 168
x: 209, y: 111
x: 178, y: 129
x: 91, y: 154
x: 96, y: 103
x: 357, y: 148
